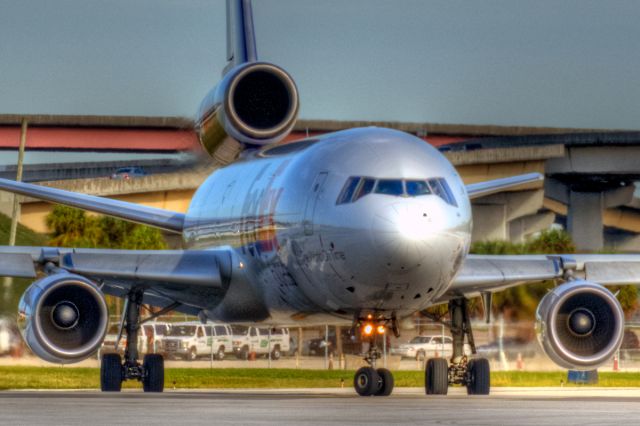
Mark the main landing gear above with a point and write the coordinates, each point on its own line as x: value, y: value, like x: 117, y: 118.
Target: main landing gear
x: 113, y: 371
x: 372, y: 381
x: 474, y: 373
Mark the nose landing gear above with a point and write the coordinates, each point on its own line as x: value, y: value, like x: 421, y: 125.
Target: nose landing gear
x: 372, y: 381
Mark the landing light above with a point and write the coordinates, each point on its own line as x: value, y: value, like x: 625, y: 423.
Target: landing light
x: 381, y: 329
x: 368, y: 329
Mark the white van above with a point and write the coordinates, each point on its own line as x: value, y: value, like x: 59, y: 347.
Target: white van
x: 254, y: 339
x: 190, y: 340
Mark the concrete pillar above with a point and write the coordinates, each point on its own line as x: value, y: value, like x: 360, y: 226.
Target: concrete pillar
x: 622, y: 242
x: 521, y: 228
x: 584, y: 221
x: 489, y: 222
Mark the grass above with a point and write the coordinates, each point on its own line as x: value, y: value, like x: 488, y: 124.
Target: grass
x: 194, y: 378
x: 24, y: 236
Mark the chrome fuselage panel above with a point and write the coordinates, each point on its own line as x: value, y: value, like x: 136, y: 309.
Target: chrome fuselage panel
x: 305, y: 254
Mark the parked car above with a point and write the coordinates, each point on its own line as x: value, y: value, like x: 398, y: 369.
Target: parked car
x: 422, y: 347
x: 128, y: 173
x: 512, y: 346
x: 350, y: 344
x: 190, y: 340
x: 253, y: 339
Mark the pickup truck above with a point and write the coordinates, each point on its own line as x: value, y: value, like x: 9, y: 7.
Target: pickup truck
x: 190, y: 340
x: 253, y: 339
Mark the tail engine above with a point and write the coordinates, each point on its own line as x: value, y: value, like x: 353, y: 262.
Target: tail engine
x: 580, y: 325
x: 255, y: 104
x: 63, y: 318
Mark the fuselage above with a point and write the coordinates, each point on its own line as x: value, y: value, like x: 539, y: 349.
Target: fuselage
x: 363, y: 220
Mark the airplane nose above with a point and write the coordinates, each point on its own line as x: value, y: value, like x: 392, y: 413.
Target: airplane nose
x: 401, y: 234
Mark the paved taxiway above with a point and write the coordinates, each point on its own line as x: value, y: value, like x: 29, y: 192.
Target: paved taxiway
x: 586, y: 406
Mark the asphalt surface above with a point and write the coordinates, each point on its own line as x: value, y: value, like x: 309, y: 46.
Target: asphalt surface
x: 588, y: 406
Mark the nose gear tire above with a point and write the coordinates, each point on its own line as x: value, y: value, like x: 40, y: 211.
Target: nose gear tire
x: 385, y: 383
x: 366, y: 381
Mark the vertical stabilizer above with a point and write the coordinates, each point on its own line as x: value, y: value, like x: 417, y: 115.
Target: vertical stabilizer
x: 241, y: 40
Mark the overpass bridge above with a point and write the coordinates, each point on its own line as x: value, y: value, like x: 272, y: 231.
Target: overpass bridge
x: 589, y: 186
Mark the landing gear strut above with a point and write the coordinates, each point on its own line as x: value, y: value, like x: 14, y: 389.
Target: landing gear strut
x: 372, y: 381
x: 474, y: 373
x: 113, y: 371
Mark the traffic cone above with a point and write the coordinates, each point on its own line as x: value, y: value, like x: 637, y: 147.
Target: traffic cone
x: 616, y: 366
x: 519, y: 362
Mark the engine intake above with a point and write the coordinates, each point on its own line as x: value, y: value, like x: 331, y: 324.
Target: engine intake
x: 63, y: 318
x: 255, y: 104
x: 580, y: 325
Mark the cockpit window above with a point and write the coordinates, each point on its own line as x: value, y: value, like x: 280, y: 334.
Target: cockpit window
x: 389, y: 187
x: 417, y: 187
x: 441, y: 189
x: 357, y: 187
x: 366, y: 186
x: 348, y: 190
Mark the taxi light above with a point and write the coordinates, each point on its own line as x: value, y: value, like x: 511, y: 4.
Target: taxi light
x: 381, y: 329
x: 368, y: 329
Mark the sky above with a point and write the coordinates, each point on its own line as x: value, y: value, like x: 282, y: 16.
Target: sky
x: 556, y: 63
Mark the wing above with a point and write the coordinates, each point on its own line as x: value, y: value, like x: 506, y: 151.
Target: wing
x: 191, y: 280
x: 489, y: 187
x: 159, y: 218
x: 491, y: 273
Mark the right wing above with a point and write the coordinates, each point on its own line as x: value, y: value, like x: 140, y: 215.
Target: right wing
x: 191, y: 280
x: 159, y: 218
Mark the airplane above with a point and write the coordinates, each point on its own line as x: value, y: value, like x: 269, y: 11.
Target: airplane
x: 363, y: 227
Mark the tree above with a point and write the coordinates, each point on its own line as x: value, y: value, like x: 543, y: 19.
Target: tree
x: 71, y: 227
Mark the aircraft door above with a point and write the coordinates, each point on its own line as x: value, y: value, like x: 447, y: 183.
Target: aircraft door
x: 312, y: 201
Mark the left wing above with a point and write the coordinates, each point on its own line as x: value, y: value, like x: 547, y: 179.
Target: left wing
x: 491, y: 273
x: 489, y: 187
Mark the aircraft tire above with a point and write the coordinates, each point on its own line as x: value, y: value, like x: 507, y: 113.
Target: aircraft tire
x: 479, y: 377
x: 153, y: 366
x: 385, y: 382
x: 436, y: 376
x: 111, y: 373
x: 366, y: 381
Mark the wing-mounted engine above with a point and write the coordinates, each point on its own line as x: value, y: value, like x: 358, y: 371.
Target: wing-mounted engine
x: 580, y: 325
x: 255, y: 104
x: 63, y: 318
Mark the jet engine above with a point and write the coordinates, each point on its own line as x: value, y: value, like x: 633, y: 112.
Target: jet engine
x: 254, y: 104
x: 580, y: 325
x: 63, y: 318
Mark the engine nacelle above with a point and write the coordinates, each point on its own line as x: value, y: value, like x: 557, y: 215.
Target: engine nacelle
x: 255, y: 104
x: 63, y: 318
x: 580, y: 325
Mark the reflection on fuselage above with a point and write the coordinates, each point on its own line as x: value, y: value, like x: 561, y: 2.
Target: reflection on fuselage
x: 360, y: 220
